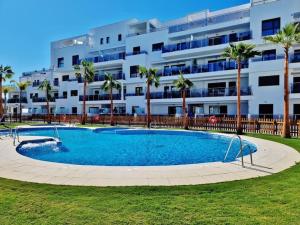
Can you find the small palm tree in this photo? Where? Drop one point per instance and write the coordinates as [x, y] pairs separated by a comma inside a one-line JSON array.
[[183, 85], [109, 85], [5, 74], [6, 90], [46, 86], [86, 72], [151, 78], [287, 37], [21, 86], [240, 52]]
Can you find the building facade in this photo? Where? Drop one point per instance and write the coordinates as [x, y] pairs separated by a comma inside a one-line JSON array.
[[192, 45]]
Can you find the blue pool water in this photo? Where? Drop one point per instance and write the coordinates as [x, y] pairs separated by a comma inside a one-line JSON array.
[[121, 147]]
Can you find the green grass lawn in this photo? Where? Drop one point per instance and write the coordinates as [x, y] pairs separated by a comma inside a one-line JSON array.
[[269, 200], [15, 124]]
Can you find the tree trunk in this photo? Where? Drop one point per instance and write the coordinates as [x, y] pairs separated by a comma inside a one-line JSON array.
[[1, 100], [239, 129], [83, 105], [48, 108], [20, 103], [286, 120], [185, 119], [148, 106], [5, 99], [111, 108]]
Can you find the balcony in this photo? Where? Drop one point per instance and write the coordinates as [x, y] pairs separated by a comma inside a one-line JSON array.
[[202, 93], [39, 99], [210, 21], [102, 97], [106, 58], [206, 68], [295, 88], [224, 39], [17, 100], [267, 58], [134, 94], [137, 53], [117, 76]]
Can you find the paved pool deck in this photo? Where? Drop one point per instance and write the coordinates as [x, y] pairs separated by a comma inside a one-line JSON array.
[[270, 158]]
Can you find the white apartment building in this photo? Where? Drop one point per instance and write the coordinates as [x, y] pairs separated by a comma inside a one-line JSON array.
[[192, 44]]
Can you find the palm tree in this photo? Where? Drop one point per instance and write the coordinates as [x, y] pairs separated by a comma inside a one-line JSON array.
[[109, 84], [151, 78], [6, 90], [5, 73], [240, 52], [46, 86], [183, 85], [287, 37], [22, 86], [86, 72]]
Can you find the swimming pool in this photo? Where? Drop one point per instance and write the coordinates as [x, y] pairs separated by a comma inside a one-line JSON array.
[[126, 147]]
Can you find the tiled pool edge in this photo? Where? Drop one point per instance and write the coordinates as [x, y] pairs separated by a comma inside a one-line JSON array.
[[270, 158]]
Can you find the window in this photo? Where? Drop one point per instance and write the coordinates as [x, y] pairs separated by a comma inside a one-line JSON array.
[[297, 111], [55, 95], [31, 95], [107, 40], [136, 50], [101, 41], [296, 55], [65, 94], [270, 27], [266, 110], [138, 91], [74, 110], [74, 93], [134, 71], [268, 80], [157, 46], [60, 62], [75, 60], [120, 37], [269, 55], [218, 109], [96, 92], [65, 78]]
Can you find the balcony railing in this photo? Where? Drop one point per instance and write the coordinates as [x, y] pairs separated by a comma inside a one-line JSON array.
[[210, 67], [224, 39], [42, 99], [116, 76], [17, 100], [210, 21], [134, 94], [102, 97], [105, 58], [201, 93], [137, 53], [295, 88], [267, 58]]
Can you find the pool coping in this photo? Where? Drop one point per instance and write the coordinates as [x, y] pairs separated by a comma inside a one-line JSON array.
[[270, 158]]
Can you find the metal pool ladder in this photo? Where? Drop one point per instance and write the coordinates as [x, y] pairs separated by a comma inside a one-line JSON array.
[[16, 136], [241, 151], [56, 133]]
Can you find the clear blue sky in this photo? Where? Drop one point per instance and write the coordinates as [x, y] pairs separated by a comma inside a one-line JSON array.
[[28, 26]]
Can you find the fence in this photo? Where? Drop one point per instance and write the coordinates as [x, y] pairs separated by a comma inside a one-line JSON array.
[[224, 124]]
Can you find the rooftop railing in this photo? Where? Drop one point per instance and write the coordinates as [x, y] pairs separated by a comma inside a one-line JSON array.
[[201, 93], [205, 68], [210, 21], [224, 39], [101, 97]]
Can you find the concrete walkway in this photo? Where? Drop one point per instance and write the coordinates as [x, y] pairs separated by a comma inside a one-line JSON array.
[[270, 158]]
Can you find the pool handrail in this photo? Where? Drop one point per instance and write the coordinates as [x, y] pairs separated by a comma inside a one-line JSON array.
[[241, 148]]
